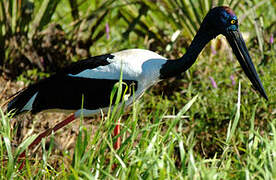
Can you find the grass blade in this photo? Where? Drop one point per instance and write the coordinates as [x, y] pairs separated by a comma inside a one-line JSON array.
[[180, 113], [230, 133]]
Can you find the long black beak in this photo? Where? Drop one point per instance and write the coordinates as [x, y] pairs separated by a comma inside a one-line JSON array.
[[240, 50]]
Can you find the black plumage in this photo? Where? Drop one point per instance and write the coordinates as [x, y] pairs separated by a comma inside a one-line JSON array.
[[62, 91]]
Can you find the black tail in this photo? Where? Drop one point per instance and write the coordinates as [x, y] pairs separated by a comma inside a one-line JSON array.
[[20, 99]]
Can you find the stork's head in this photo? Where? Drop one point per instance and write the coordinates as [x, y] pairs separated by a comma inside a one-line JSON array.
[[222, 20], [219, 20]]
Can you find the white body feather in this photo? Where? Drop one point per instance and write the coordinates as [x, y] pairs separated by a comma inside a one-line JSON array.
[[137, 64], [140, 65]]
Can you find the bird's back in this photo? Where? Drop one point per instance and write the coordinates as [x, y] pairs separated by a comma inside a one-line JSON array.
[[92, 80]]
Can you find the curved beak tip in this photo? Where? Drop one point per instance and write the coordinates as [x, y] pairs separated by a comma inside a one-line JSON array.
[[265, 96], [262, 92]]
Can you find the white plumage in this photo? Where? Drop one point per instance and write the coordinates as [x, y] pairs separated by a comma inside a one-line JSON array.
[[136, 64]]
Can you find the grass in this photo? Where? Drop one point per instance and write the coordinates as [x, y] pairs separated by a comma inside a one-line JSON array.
[[158, 147], [229, 132]]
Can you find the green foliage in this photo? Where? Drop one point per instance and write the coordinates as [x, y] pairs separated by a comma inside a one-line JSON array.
[[47, 35], [150, 150], [32, 38], [6, 136], [226, 133]]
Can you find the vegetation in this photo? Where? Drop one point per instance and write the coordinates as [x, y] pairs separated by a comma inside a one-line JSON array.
[[206, 124]]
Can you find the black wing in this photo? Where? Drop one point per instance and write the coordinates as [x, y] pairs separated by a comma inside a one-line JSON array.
[[61, 91], [90, 63]]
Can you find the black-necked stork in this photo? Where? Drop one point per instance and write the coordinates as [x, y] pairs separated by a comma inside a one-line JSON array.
[[95, 77]]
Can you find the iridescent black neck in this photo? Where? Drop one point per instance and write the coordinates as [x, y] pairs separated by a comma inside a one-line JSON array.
[[175, 67]]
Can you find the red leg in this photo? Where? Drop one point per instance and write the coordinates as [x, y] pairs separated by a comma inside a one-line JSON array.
[[116, 132], [118, 141], [45, 134]]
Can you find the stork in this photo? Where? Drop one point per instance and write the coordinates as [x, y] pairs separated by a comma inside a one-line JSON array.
[[94, 78]]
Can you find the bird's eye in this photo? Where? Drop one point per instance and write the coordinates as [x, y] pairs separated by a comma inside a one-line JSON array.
[[233, 21]]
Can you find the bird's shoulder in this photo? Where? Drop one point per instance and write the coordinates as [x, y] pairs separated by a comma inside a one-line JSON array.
[[129, 57], [132, 55], [89, 63], [108, 66]]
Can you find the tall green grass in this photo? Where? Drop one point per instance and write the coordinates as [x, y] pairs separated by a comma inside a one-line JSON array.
[[156, 147], [229, 132]]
